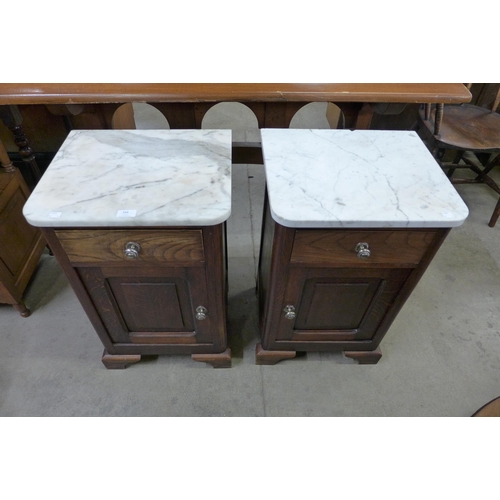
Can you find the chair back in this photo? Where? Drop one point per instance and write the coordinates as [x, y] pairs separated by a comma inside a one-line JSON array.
[[440, 110]]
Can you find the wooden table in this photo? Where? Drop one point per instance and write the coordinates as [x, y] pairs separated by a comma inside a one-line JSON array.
[[185, 105], [75, 93]]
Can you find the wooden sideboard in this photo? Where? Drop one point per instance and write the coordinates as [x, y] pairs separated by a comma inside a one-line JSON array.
[[83, 93]]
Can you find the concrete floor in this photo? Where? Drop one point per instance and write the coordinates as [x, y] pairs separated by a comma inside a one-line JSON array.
[[441, 356]]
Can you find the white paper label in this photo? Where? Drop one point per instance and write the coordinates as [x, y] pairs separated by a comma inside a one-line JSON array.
[[55, 215], [447, 214], [126, 213]]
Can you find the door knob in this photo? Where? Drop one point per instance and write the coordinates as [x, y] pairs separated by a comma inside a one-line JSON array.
[[289, 312], [363, 250], [201, 313], [132, 250]]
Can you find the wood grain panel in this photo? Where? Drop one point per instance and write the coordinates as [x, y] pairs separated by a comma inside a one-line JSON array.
[[16, 235], [336, 248], [335, 305], [326, 302], [157, 246], [149, 306]]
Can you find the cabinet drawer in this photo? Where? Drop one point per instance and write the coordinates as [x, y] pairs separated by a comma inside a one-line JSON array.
[[338, 247], [156, 246]]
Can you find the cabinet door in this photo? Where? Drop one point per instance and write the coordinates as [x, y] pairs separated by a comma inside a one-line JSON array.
[[337, 304], [150, 305]]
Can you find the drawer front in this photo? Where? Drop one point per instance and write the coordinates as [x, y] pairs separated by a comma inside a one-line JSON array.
[[108, 246], [337, 248]]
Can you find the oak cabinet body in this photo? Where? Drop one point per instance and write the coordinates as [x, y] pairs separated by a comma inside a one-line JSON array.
[[352, 219], [316, 294], [137, 220], [170, 299]]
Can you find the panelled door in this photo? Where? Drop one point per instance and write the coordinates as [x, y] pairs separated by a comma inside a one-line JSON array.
[[158, 305], [328, 305]]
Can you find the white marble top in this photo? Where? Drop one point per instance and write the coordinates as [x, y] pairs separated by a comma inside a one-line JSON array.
[[356, 179], [135, 178]]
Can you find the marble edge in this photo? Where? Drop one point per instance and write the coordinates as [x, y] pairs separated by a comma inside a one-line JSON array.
[[335, 224], [124, 222]]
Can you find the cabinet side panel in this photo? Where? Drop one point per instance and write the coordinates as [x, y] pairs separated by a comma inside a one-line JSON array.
[[410, 284], [79, 289], [215, 289], [277, 242], [266, 248]]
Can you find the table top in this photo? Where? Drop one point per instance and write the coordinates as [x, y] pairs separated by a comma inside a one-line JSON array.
[[102, 178], [78, 93], [356, 179]]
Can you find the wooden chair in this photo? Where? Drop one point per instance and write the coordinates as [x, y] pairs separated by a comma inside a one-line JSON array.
[[473, 133], [491, 409]]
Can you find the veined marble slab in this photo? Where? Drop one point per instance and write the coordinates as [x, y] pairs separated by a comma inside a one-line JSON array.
[[135, 178], [356, 179]]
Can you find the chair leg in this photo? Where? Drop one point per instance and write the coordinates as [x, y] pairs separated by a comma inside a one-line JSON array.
[[492, 164], [456, 160], [495, 215], [438, 153]]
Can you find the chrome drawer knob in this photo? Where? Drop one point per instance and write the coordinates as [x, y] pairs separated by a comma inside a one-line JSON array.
[[201, 313], [132, 250], [363, 250], [289, 312]]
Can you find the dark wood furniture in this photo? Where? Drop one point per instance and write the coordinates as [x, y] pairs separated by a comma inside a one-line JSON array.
[[83, 93], [59, 108], [169, 299], [352, 219], [11, 118], [465, 129], [136, 220], [302, 272], [21, 245]]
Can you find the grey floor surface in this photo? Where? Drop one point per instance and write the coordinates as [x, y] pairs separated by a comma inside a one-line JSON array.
[[441, 357]]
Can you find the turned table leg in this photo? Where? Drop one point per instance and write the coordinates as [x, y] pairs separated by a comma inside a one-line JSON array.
[[217, 360], [12, 119]]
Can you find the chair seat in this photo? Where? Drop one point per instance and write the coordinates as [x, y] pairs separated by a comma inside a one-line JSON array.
[[491, 409], [467, 127]]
